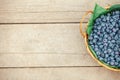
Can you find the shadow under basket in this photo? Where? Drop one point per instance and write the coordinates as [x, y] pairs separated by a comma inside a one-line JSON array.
[[85, 36]]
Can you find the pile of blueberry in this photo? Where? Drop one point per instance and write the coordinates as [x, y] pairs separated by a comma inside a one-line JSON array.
[[105, 38]]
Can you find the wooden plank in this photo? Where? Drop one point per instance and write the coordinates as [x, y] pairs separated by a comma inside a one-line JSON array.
[[82, 73], [30, 11], [46, 60], [51, 5], [41, 17], [53, 38]]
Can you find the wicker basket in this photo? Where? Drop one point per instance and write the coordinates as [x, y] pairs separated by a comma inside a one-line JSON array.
[[85, 36]]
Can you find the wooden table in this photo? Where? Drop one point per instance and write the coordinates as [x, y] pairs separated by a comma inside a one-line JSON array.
[[40, 40]]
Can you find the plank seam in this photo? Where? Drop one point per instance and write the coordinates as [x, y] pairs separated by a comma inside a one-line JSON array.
[[49, 67], [41, 23]]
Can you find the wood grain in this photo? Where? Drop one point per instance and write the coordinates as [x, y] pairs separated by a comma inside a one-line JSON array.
[[41, 17], [46, 60], [81, 73], [51, 5], [30, 11], [42, 45], [51, 38]]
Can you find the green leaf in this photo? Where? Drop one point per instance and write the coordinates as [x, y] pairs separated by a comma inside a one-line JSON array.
[[98, 10], [115, 7]]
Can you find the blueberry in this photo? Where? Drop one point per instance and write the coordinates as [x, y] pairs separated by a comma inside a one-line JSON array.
[[113, 23], [106, 55], [112, 63], [117, 25], [96, 36], [102, 55], [98, 53], [105, 59], [105, 40], [108, 59], [94, 40], [112, 53], [116, 63], [102, 16], [101, 46], [104, 19], [101, 59], [90, 42], [114, 30], [109, 38], [105, 44], [98, 43], [108, 18], [103, 24], [116, 37], [111, 20], [111, 45], [118, 59], [117, 12], [105, 52], [113, 41], [108, 14], [93, 46], [96, 49], [117, 56], [116, 53]]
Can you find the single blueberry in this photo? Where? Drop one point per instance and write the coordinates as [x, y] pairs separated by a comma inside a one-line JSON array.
[[112, 63]]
